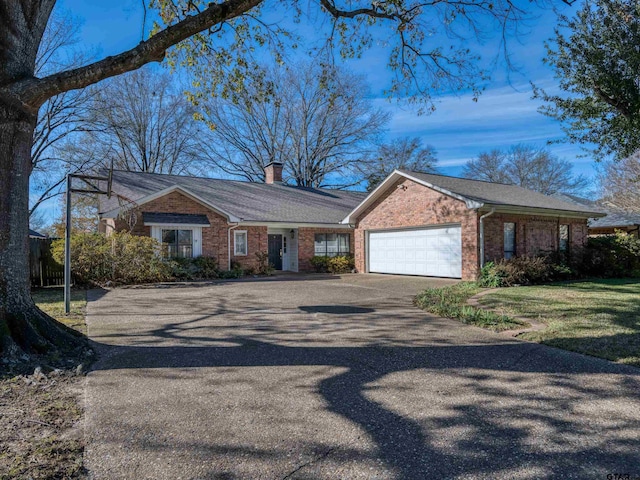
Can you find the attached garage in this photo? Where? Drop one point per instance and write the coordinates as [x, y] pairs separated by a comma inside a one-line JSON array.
[[431, 251], [437, 226]]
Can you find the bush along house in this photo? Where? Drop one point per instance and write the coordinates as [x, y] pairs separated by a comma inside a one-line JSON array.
[[411, 224]]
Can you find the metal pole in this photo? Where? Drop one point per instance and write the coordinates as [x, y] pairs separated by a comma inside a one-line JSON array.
[[67, 251]]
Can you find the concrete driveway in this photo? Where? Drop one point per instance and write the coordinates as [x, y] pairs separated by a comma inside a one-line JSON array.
[[340, 378]]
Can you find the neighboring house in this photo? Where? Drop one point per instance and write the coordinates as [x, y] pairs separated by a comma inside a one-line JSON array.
[[412, 223], [616, 219], [34, 234]]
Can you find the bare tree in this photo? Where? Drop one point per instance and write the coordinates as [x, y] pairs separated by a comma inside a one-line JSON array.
[[60, 116], [227, 31], [314, 119], [404, 153], [620, 183], [139, 122], [529, 167]]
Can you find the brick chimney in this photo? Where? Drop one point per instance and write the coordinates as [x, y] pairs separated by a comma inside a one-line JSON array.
[[273, 173]]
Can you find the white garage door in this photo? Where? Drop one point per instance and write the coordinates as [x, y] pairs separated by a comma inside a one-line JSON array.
[[432, 252]]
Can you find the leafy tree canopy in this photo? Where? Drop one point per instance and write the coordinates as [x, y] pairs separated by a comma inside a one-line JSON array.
[[596, 58]]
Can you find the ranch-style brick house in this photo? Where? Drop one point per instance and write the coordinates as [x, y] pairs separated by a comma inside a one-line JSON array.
[[411, 224]]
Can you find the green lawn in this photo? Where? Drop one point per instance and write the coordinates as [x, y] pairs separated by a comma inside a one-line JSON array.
[[51, 300], [451, 302], [599, 318]]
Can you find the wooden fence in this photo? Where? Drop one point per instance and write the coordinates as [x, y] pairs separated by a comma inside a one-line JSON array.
[[45, 271]]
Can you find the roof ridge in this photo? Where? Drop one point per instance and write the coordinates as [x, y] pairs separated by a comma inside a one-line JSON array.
[[246, 182], [469, 179]]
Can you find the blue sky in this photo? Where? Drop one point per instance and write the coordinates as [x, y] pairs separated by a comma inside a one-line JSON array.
[[459, 129]]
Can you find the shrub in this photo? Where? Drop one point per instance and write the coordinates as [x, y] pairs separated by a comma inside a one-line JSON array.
[[518, 271], [263, 267], [207, 267], [612, 256], [320, 264], [340, 264], [198, 268], [121, 258]]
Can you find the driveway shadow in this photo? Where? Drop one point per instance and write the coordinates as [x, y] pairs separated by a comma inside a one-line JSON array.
[[501, 393]]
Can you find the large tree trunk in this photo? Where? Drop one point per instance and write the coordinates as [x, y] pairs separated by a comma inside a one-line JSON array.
[[24, 329]]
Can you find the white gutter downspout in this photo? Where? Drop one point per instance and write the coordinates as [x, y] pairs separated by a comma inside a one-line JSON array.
[[229, 244], [493, 210]]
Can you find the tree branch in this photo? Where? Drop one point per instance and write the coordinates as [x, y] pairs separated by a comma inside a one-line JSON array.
[[34, 92]]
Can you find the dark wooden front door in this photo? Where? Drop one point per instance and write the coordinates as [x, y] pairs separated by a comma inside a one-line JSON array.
[[275, 251]]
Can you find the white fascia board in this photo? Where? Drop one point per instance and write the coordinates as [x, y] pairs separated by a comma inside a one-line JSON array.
[[174, 188], [543, 212], [393, 176], [289, 225]]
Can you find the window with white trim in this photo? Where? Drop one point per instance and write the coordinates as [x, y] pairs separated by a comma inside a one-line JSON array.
[[240, 242], [331, 244], [177, 243]]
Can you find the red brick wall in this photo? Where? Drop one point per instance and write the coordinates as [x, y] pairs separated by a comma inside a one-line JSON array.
[[214, 238], [534, 234], [273, 173], [415, 206], [257, 241], [306, 245]]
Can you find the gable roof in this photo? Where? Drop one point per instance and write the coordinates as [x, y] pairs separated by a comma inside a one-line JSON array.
[[616, 217], [237, 200], [480, 194]]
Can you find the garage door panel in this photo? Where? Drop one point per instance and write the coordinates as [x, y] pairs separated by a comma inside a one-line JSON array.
[[435, 251]]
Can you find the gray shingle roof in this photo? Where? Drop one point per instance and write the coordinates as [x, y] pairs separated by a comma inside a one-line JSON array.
[[251, 202], [615, 217], [34, 234], [499, 194], [175, 218]]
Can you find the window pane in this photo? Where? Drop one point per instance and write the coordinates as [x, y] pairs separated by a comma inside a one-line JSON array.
[[564, 238], [320, 245], [509, 240], [168, 236], [185, 237], [343, 243], [332, 244], [240, 240]]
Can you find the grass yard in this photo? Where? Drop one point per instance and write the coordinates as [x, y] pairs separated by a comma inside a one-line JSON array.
[[51, 301], [41, 435], [599, 318], [451, 302]]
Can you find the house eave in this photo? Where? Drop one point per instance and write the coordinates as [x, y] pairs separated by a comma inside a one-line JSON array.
[[545, 212], [250, 223]]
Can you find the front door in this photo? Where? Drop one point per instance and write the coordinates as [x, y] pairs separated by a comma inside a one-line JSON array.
[[275, 251]]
